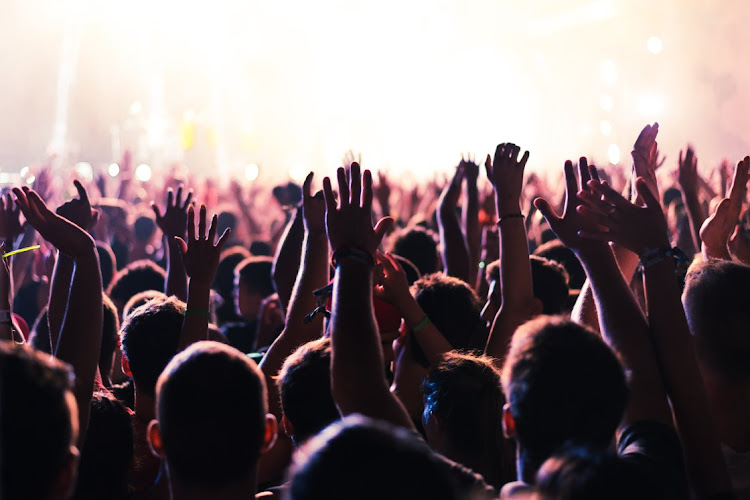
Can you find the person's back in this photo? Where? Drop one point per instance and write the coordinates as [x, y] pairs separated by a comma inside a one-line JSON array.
[[212, 423], [38, 425], [715, 300]]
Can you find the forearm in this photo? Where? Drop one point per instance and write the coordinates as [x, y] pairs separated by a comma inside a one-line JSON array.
[[472, 227], [429, 338], [22, 262], [358, 381], [313, 274], [195, 324], [452, 244], [58, 297], [584, 311], [287, 259], [176, 283], [695, 215], [683, 381], [81, 332]]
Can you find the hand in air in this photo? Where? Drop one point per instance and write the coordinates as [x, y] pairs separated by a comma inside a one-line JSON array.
[[78, 210], [200, 253], [174, 220]]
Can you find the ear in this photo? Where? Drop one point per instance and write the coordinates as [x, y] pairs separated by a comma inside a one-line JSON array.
[[269, 437], [125, 364], [287, 425], [509, 424], [155, 441], [66, 478]]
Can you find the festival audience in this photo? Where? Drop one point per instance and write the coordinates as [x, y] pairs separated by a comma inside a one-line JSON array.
[[606, 364]]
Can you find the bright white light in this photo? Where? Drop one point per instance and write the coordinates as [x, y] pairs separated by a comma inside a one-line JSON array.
[[606, 102], [84, 171], [605, 127], [24, 171], [30, 180], [298, 173], [651, 106], [654, 45], [136, 108], [251, 172], [609, 72], [113, 170], [143, 172], [613, 153]]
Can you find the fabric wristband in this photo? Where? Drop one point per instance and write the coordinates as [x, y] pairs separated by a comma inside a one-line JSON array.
[[357, 254], [421, 325], [519, 215]]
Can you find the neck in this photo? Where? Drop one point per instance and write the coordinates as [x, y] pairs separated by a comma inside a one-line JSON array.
[[407, 382], [730, 408], [241, 490], [145, 405]]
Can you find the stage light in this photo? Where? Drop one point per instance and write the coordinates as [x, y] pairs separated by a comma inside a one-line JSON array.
[[655, 45], [84, 171], [605, 127], [606, 102], [298, 173], [143, 172], [251, 172], [651, 106], [24, 172], [113, 170], [613, 153], [609, 72], [30, 180]]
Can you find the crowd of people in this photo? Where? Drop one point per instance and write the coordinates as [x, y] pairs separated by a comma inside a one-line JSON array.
[[483, 336]]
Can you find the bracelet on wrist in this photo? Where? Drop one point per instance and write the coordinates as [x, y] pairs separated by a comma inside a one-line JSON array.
[[503, 217], [652, 257], [357, 254], [421, 325]]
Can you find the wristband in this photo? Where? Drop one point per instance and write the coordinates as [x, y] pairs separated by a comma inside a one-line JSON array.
[[6, 318], [519, 215], [421, 325], [652, 257], [357, 254], [195, 311]]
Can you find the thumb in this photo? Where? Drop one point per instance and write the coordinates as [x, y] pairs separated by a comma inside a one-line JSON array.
[[182, 245], [547, 211], [382, 228]]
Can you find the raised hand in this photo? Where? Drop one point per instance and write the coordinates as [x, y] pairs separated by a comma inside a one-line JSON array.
[[452, 191], [568, 226], [613, 218], [42, 182], [645, 159], [200, 255], [717, 229], [392, 285], [348, 224], [66, 236], [174, 220], [78, 210], [687, 173], [505, 172], [313, 208], [383, 192], [470, 167], [10, 224]]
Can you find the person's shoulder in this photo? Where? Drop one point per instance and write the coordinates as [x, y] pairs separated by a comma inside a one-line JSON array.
[[517, 490]]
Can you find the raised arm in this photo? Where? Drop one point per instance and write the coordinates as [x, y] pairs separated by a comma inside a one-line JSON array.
[[81, 331], [687, 177], [718, 228], [518, 301], [312, 275], [173, 224], [644, 231], [622, 323], [358, 382], [200, 256], [472, 229], [452, 244], [287, 259]]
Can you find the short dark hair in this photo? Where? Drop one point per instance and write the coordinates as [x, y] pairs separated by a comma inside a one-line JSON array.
[[139, 299], [562, 383], [107, 263], [149, 337], [211, 407], [37, 430], [144, 227], [304, 384], [715, 299], [367, 459], [453, 307], [465, 394], [550, 282], [555, 250], [136, 277], [419, 246], [107, 451], [224, 280], [255, 274]]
